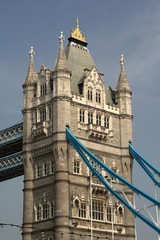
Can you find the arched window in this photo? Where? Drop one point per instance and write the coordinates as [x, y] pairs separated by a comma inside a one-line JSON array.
[[120, 213]]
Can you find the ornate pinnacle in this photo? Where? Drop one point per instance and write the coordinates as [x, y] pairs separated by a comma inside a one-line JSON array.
[[77, 23], [61, 39], [122, 61], [32, 73], [31, 53]]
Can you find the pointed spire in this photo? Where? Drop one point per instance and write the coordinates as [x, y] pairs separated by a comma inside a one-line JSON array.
[[61, 62], [122, 80], [32, 73]]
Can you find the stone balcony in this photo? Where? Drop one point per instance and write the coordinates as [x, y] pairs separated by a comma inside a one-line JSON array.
[[99, 132], [40, 129]]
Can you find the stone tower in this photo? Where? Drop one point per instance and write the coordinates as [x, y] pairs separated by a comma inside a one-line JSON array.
[[62, 199]]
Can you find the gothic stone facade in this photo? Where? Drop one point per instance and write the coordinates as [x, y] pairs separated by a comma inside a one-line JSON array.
[[62, 200]]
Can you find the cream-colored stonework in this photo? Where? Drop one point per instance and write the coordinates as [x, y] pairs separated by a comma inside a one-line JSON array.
[[62, 200]]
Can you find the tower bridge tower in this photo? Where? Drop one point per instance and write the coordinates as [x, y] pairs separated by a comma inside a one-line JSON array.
[[62, 200]]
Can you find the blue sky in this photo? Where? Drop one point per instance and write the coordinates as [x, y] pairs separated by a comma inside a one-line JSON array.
[[112, 28]]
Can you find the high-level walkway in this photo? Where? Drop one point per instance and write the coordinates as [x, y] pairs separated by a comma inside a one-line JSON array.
[[11, 162]]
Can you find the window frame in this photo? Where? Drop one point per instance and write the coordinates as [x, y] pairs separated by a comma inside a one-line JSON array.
[[90, 118], [97, 210], [110, 214], [77, 166], [42, 114], [82, 115], [43, 89], [106, 122], [83, 210], [90, 94], [98, 96], [98, 119]]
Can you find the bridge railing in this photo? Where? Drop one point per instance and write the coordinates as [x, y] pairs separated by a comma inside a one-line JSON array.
[[11, 161], [12, 133]]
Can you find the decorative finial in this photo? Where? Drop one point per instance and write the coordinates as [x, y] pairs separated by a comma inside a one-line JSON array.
[[32, 53], [61, 39], [122, 61], [77, 23]]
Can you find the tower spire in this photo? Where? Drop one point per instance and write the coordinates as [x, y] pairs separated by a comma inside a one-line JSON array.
[[61, 62], [122, 80], [31, 73]]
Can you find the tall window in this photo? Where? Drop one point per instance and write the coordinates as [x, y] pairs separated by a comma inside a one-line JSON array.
[[51, 209], [82, 210], [98, 119], [45, 168], [90, 118], [98, 96], [106, 122], [110, 214], [120, 213], [45, 211], [51, 167], [81, 116], [38, 213], [50, 113], [97, 210], [76, 167], [90, 94], [37, 170], [42, 114], [43, 89]]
